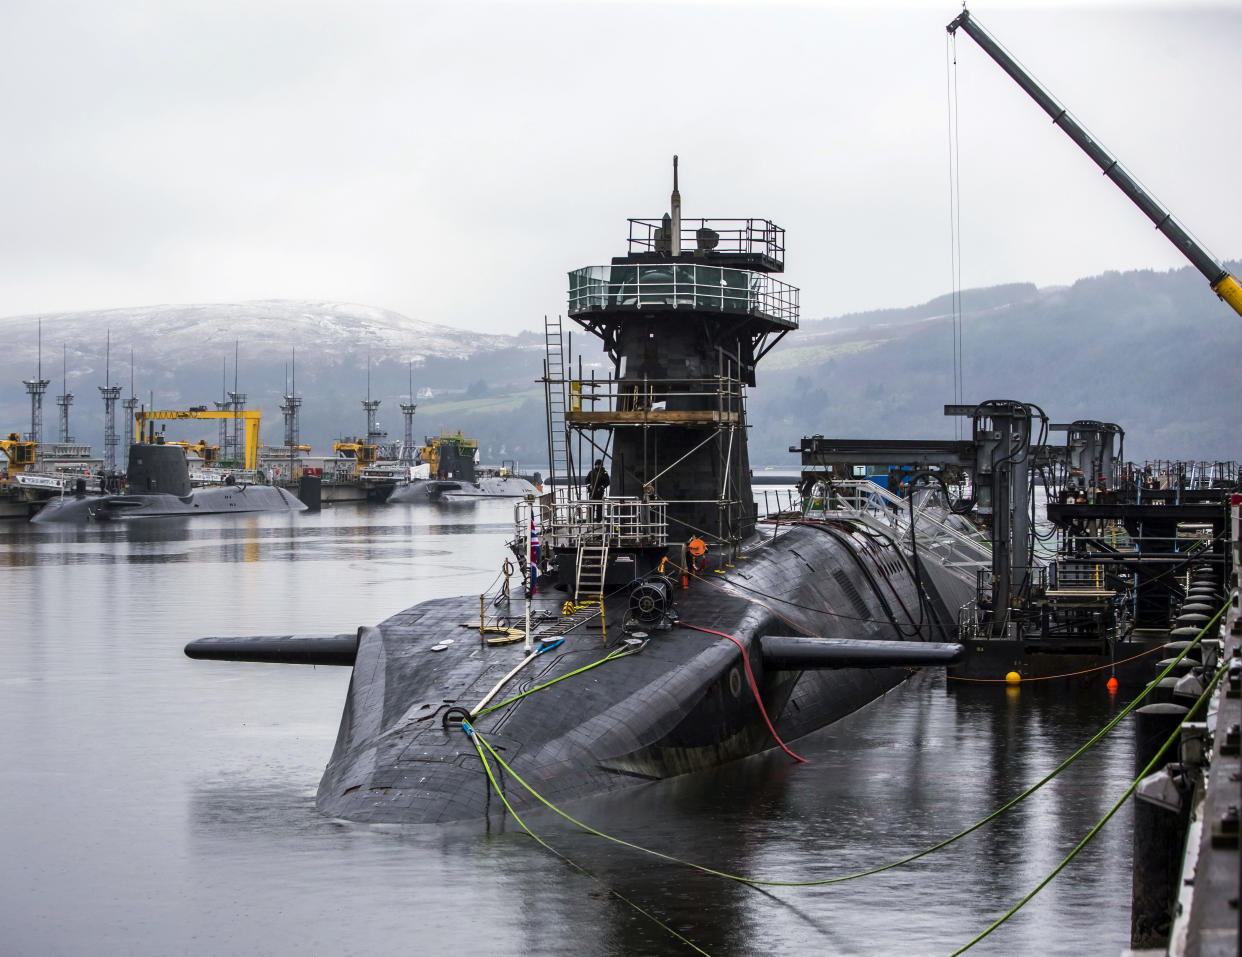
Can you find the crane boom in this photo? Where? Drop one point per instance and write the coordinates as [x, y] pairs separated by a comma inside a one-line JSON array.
[[1223, 283]]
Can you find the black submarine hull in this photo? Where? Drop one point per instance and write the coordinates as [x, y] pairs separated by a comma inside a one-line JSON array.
[[682, 703], [224, 499]]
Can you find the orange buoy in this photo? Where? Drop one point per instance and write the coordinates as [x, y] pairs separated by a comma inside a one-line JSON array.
[[1112, 685]]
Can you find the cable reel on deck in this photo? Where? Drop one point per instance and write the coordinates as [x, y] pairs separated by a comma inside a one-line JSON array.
[[650, 604]]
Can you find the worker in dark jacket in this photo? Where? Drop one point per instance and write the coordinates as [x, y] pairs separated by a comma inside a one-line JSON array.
[[597, 482]]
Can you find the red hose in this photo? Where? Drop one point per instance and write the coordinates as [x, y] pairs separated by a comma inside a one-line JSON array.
[[753, 687]]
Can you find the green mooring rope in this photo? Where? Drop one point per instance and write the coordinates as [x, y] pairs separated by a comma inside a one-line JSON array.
[[477, 738], [611, 656], [1102, 821], [473, 735], [480, 744]]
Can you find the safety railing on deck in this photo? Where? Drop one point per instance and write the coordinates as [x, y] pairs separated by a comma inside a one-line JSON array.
[[932, 519], [630, 522], [642, 397]]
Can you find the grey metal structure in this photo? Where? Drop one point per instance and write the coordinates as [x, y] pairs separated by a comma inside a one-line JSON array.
[[408, 446], [131, 407], [556, 399], [822, 453], [1002, 439], [234, 451], [290, 406], [110, 394], [223, 441], [375, 435], [35, 388], [1093, 453], [1000, 456], [64, 401]]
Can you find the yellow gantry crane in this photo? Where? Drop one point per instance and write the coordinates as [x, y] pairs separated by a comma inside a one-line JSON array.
[[1223, 283], [249, 416]]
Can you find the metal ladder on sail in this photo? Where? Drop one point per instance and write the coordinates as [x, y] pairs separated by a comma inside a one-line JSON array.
[[592, 560], [555, 386]]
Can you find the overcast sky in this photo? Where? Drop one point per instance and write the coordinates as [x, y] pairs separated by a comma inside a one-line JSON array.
[[453, 161]]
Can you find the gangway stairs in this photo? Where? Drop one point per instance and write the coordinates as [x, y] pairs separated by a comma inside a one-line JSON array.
[[555, 385]]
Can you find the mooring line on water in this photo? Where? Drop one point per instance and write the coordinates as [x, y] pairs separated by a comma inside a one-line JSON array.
[[477, 738], [1169, 742], [472, 735], [1071, 674]]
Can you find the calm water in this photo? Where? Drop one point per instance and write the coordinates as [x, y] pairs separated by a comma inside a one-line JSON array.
[[155, 805]]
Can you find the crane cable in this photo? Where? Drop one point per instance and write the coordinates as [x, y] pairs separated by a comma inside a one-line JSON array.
[[955, 227]]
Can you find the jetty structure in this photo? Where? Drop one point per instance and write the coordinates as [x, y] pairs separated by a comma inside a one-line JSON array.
[[34, 471], [663, 628], [1186, 869]]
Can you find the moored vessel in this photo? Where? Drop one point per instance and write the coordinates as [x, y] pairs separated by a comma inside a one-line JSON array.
[[159, 486], [664, 629]]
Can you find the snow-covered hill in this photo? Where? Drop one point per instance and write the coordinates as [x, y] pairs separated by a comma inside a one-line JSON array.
[[184, 355]]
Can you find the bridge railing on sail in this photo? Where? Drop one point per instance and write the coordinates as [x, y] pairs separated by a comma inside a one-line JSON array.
[[676, 286], [761, 239]]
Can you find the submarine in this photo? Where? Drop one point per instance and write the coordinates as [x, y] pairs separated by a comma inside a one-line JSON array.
[[160, 487], [455, 478], [661, 630]]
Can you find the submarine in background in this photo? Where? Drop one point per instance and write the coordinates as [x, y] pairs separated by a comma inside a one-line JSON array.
[[160, 487], [667, 628], [454, 476]]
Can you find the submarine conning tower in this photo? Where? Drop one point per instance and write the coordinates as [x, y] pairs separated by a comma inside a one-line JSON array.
[[684, 316]]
